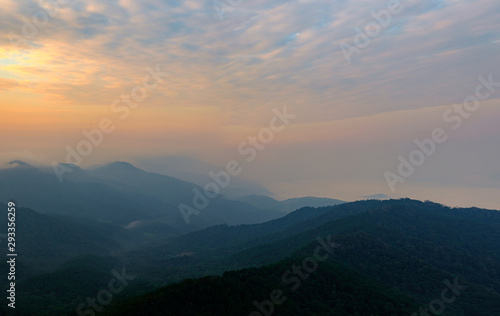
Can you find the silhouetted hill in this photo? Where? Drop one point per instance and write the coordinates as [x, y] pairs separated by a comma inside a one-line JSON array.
[[44, 241], [195, 171], [40, 189], [266, 202], [332, 289], [409, 248], [121, 193], [410, 245]]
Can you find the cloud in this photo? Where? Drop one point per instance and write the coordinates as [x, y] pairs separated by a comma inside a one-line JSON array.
[[8, 84], [278, 49], [20, 158], [226, 76], [261, 55]]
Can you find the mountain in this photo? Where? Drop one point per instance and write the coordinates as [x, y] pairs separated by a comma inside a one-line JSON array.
[[40, 189], [268, 203], [296, 203], [47, 240], [332, 289], [412, 246], [404, 252], [121, 193], [68, 286], [238, 236], [192, 170], [126, 176]]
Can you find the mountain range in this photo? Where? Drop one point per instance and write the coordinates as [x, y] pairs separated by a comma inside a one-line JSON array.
[[123, 194], [390, 257]]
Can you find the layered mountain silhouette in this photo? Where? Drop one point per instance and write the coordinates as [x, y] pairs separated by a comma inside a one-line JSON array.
[[193, 170], [390, 257], [266, 202], [120, 193]]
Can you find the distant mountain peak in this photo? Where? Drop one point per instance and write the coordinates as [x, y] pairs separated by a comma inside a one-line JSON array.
[[121, 163], [19, 164], [120, 166]]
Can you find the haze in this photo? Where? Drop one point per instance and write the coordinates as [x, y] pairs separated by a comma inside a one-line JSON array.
[[224, 76]]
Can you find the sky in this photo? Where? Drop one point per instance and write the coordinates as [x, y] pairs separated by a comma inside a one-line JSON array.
[[360, 81]]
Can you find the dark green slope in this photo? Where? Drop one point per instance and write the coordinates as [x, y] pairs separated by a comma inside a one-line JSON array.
[[222, 236], [331, 289], [205, 252], [244, 236], [472, 230], [62, 291], [408, 245], [413, 246], [44, 241]]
